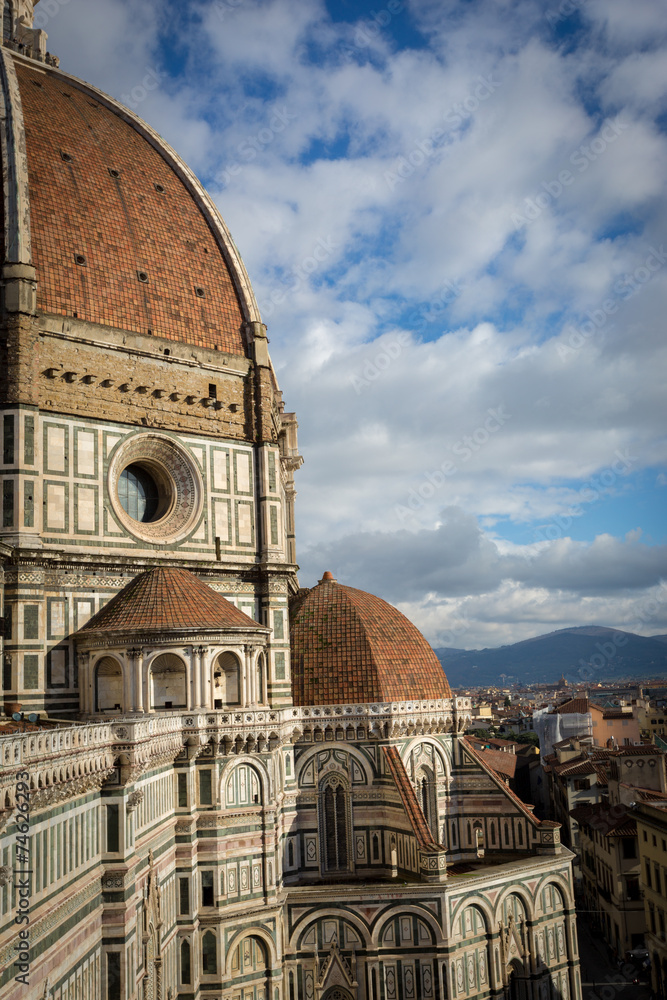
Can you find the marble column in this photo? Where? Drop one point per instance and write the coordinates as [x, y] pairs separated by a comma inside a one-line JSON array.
[[195, 667]]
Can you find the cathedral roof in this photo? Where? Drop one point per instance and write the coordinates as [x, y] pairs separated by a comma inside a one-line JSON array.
[[349, 647], [168, 599], [122, 233]]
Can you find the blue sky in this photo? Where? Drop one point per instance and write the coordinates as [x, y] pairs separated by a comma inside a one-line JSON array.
[[453, 215]]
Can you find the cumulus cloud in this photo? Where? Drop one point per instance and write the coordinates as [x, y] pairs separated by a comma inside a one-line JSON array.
[[457, 242]]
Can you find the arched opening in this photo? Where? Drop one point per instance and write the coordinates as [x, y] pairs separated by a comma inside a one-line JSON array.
[[243, 787], [427, 797], [337, 993], [478, 831], [108, 685], [186, 974], [209, 954], [334, 810], [226, 681], [261, 680], [517, 985], [250, 961], [168, 682]]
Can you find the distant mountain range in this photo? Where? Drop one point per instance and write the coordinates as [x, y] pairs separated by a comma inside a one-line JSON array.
[[587, 653]]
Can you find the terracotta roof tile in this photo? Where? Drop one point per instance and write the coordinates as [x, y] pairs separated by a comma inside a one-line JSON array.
[[164, 599], [580, 706], [120, 223], [351, 647], [417, 819], [477, 756], [501, 762], [609, 820]]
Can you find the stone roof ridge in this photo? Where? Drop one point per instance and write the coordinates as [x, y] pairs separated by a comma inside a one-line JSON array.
[[168, 599], [525, 809], [421, 829]]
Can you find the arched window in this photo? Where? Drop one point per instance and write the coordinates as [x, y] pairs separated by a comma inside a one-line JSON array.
[[507, 833], [334, 818], [290, 854], [226, 681], [519, 831], [209, 960], [108, 685], [426, 793], [250, 960], [168, 680], [376, 847], [261, 675], [186, 976], [453, 835]]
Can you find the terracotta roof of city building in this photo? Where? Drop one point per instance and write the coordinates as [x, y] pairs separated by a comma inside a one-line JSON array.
[[349, 647], [168, 599], [579, 706], [122, 233], [501, 762], [608, 820]]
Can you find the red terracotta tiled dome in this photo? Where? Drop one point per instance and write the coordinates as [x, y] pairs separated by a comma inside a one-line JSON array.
[[165, 599], [351, 647], [110, 202]]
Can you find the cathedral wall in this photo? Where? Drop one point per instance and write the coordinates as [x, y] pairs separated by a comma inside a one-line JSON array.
[[59, 487], [467, 940], [129, 378]]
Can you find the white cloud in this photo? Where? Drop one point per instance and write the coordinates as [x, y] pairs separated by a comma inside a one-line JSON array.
[[431, 303]]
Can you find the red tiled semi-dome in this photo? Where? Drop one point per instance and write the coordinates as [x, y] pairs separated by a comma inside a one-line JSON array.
[[349, 647], [165, 599], [104, 187]]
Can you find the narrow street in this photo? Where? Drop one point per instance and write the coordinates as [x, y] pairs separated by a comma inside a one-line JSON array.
[[601, 976]]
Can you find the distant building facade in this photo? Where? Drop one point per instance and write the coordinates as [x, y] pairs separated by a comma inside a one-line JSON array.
[[651, 819]]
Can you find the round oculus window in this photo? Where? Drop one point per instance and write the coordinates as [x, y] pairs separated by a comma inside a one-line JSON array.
[[138, 493], [155, 488]]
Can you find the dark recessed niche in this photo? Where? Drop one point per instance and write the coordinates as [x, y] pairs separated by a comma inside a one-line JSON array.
[[142, 276], [199, 292], [80, 259], [167, 352], [159, 188], [114, 172], [67, 157]]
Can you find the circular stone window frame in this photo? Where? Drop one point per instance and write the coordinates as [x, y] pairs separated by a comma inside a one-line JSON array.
[[179, 482]]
